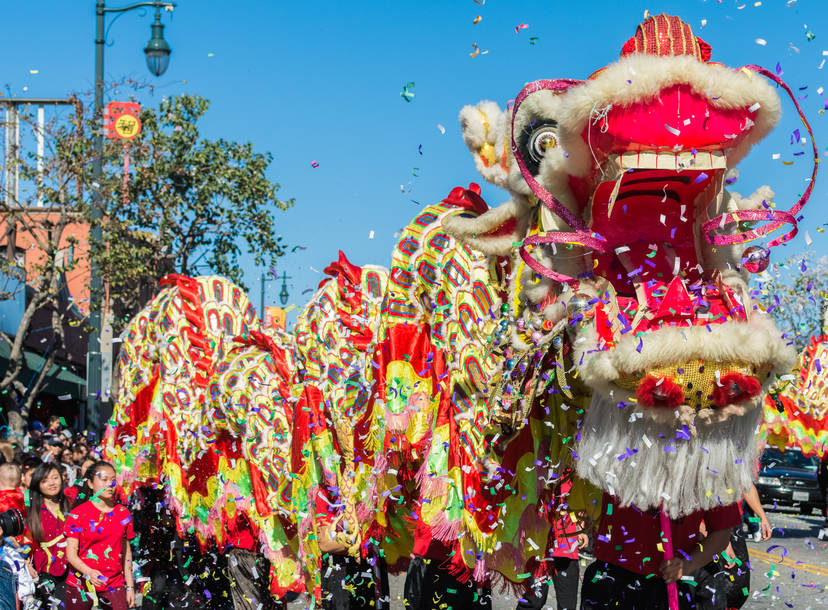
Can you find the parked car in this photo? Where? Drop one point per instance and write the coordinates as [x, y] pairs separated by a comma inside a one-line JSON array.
[[789, 479]]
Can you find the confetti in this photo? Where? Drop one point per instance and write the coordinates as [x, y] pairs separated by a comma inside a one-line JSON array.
[[314, 164], [761, 41], [520, 27], [477, 51], [477, 20], [407, 94]]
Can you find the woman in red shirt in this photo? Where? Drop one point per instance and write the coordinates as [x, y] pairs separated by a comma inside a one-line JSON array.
[[97, 533], [47, 509]]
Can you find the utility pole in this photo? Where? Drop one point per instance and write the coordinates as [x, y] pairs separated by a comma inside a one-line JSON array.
[[157, 54], [91, 421]]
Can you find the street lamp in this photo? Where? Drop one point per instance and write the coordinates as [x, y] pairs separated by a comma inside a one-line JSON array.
[[158, 57], [284, 295], [157, 49]]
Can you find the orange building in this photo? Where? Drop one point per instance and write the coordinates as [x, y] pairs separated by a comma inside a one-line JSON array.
[[25, 237]]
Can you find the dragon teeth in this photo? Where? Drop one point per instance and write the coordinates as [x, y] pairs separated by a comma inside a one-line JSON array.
[[674, 161]]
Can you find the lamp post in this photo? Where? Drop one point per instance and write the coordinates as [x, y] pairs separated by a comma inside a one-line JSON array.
[[157, 53]]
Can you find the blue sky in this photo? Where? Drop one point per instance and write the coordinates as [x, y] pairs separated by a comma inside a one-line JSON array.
[[322, 81]]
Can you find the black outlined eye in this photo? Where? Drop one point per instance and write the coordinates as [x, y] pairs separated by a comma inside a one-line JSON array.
[[541, 140], [536, 138]]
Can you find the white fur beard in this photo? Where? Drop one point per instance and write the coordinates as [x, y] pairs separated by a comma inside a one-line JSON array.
[[699, 473]]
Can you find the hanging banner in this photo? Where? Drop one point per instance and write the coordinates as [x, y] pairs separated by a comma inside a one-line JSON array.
[[122, 120], [123, 123]]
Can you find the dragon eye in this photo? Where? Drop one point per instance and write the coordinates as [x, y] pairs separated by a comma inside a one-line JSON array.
[[541, 140]]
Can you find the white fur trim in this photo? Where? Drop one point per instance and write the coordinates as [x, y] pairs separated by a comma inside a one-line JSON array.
[[473, 231], [757, 342], [485, 123], [640, 77]]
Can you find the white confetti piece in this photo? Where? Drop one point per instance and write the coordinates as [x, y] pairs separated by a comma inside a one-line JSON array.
[[441, 128], [808, 239], [672, 130], [755, 107], [761, 41], [371, 235], [775, 156]]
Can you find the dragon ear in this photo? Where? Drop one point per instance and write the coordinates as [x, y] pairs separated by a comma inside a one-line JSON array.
[[485, 133]]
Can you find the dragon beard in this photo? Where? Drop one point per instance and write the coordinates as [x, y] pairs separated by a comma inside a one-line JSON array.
[[647, 462]]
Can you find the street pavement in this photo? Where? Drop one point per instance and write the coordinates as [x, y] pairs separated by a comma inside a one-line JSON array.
[[791, 569]]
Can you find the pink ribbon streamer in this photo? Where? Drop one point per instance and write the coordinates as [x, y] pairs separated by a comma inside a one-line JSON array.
[[777, 218], [581, 234], [667, 543]]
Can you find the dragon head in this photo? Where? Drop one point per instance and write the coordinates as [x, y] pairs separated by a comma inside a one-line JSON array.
[[628, 255]]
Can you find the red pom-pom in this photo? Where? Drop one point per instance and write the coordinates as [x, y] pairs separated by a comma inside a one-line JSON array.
[[735, 388], [659, 392]]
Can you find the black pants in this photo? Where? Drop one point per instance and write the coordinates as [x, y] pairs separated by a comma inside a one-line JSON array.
[[351, 584], [167, 589], [720, 587], [609, 586], [51, 590], [430, 586], [750, 519], [822, 480], [249, 582], [565, 582]]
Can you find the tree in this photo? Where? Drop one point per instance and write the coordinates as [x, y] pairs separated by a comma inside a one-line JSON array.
[[191, 207], [795, 293], [41, 247]]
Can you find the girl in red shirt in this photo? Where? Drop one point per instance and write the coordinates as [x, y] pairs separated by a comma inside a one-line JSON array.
[[46, 518], [97, 533]]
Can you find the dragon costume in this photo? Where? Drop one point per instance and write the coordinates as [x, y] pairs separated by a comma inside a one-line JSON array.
[[595, 329]]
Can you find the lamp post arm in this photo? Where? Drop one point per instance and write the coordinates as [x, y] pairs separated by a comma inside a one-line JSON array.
[[153, 4]]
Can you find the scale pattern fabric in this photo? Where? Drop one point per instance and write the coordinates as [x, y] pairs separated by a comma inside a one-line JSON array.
[[367, 423], [797, 414]]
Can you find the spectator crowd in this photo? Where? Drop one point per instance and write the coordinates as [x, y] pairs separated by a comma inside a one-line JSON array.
[[80, 530]]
